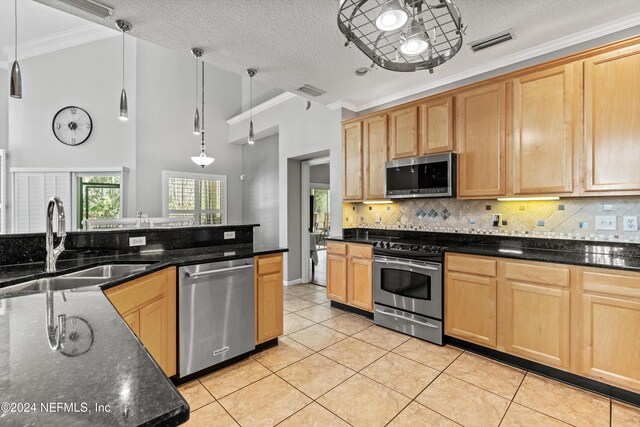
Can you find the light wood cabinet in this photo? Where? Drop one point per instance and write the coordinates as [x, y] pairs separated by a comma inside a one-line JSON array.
[[352, 161], [480, 138], [610, 325], [350, 274], [611, 125], [403, 132], [436, 130], [544, 104], [535, 299], [148, 306], [269, 313], [375, 153]]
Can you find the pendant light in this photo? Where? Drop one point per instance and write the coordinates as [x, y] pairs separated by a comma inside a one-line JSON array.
[[16, 76], [123, 26], [197, 52], [414, 42], [251, 72], [392, 16], [202, 160]]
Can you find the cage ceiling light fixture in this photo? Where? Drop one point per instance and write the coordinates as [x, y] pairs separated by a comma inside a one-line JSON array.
[[403, 35]]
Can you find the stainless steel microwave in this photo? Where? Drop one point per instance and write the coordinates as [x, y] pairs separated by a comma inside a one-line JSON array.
[[426, 176]]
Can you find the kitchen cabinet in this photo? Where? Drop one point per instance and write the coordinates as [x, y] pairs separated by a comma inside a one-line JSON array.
[[611, 127], [436, 131], [403, 132], [480, 139], [375, 154], [535, 298], [148, 306], [471, 299], [352, 160], [544, 104], [269, 313], [350, 274], [610, 324]]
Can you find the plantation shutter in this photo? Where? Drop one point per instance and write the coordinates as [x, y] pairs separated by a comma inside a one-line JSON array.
[[31, 192], [201, 197]]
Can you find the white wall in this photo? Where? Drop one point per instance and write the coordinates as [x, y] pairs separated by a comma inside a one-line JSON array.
[[302, 134], [165, 139], [4, 106]]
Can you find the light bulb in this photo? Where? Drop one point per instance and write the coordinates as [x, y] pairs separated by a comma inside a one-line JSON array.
[[392, 16], [415, 42]]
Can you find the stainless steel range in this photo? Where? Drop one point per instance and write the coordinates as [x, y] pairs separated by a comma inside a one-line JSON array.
[[408, 287]]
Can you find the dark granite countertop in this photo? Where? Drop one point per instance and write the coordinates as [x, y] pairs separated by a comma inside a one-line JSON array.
[[115, 370], [613, 255]]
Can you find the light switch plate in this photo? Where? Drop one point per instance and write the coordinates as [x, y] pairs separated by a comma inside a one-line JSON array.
[[607, 207], [606, 222], [378, 218], [229, 235], [630, 223], [137, 241]]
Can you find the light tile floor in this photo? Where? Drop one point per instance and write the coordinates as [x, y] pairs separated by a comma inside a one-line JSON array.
[[337, 369]]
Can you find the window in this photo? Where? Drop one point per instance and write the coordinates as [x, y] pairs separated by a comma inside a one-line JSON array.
[[199, 196], [98, 198]]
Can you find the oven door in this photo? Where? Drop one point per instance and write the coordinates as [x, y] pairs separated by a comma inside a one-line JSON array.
[[413, 286]]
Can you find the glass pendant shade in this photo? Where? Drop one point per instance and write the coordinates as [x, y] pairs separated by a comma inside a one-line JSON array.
[[392, 16], [415, 42], [16, 81], [124, 106], [202, 160], [251, 139], [196, 122]]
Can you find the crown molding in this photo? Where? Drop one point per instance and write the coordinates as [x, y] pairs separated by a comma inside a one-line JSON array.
[[262, 107], [61, 40], [533, 52], [342, 104]]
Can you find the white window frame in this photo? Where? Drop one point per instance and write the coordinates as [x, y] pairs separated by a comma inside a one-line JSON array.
[[197, 211]]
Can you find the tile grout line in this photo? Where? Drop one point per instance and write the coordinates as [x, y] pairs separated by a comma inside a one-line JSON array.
[[512, 399]]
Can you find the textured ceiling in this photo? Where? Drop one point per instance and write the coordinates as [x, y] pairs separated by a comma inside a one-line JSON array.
[[293, 42]]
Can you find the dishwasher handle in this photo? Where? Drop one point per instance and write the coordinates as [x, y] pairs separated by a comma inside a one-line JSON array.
[[214, 272]]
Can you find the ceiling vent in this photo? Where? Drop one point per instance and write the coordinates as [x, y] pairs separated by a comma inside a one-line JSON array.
[[91, 7], [501, 37], [311, 91]]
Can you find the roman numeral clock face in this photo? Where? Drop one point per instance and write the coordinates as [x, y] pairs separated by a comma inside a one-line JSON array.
[[72, 125]]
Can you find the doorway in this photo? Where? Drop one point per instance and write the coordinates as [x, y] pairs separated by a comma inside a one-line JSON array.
[[316, 196]]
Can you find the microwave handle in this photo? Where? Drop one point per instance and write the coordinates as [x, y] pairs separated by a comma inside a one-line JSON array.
[[409, 264]]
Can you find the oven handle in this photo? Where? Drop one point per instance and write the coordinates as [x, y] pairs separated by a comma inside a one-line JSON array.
[[430, 325], [409, 264]]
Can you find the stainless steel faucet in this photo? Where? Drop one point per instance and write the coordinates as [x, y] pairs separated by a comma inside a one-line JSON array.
[[54, 253], [55, 335]]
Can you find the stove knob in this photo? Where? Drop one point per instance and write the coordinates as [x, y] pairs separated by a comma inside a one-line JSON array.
[[388, 245], [415, 248]]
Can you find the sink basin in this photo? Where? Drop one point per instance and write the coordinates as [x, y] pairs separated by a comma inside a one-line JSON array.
[[57, 284], [108, 271]]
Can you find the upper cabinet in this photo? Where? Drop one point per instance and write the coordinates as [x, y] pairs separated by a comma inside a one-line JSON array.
[[403, 132], [352, 161], [375, 153], [611, 125], [544, 104], [480, 134], [436, 126]]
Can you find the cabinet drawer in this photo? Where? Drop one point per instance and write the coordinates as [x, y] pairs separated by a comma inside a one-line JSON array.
[[362, 251], [336, 248], [130, 295], [465, 264], [613, 284], [269, 264], [545, 275]]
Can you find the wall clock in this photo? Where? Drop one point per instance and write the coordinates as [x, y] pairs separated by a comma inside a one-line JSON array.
[[72, 125]]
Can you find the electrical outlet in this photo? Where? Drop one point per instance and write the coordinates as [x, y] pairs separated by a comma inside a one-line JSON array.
[[229, 235], [607, 207], [378, 218], [630, 223], [606, 222], [137, 241]]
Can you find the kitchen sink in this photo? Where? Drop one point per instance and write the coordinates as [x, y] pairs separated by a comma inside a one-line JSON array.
[[57, 284], [108, 271]]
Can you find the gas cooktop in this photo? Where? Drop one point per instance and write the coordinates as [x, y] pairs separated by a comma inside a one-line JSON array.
[[425, 250]]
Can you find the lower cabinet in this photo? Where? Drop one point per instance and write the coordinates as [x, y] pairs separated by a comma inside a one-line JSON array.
[[350, 274], [269, 312], [148, 306]]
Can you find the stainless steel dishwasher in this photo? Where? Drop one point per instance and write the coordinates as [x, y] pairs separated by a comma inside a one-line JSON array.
[[216, 302]]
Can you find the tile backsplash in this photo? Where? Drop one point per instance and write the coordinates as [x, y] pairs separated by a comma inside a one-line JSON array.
[[563, 219]]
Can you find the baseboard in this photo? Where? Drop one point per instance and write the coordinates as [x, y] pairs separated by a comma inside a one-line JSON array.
[[292, 282], [350, 309]]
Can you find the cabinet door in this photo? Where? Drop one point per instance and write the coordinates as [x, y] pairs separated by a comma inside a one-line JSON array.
[[470, 308], [352, 161], [403, 138], [337, 278], [154, 331], [436, 126], [611, 125], [133, 321], [360, 283], [375, 155], [269, 316], [480, 135], [543, 131]]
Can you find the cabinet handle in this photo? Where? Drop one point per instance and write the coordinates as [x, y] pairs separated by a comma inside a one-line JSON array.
[[387, 313]]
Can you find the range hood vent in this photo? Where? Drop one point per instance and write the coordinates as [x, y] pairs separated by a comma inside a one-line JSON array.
[[501, 37], [311, 91], [91, 7]]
